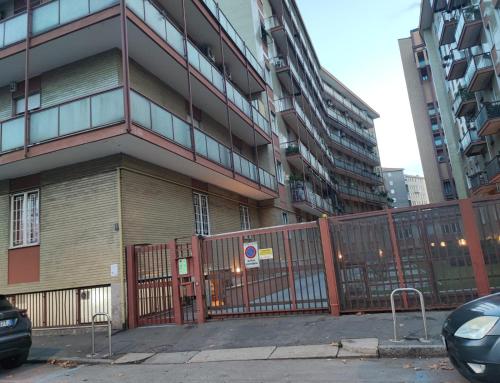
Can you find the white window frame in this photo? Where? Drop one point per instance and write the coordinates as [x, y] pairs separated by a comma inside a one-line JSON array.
[[198, 213], [245, 218], [280, 173], [26, 225]]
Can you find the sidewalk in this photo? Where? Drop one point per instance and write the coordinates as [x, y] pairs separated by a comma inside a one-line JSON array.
[[271, 332]]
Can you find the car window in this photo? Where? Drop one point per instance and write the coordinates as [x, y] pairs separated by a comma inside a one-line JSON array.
[[4, 304]]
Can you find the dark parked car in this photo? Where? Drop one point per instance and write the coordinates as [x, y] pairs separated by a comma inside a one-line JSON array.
[[472, 337], [15, 335]]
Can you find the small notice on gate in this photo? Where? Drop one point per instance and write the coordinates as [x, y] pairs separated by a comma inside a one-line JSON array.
[[251, 252], [183, 266], [266, 253]]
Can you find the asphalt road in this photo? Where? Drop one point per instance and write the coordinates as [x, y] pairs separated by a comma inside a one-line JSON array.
[[376, 370]]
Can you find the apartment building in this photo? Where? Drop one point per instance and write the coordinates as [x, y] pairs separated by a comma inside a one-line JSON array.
[[462, 39], [427, 119], [139, 121], [395, 184], [417, 190], [328, 149]]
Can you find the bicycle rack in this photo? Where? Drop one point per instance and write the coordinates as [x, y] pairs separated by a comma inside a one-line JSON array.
[[110, 353], [422, 308]]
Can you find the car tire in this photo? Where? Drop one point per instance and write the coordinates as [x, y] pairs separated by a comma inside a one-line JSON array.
[[14, 361]]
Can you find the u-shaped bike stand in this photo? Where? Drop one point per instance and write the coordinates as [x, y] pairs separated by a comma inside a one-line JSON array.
[[422, 308], [93, 333]]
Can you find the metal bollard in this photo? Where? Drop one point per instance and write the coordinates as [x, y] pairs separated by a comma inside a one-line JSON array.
[[110, 353], [422, 308]]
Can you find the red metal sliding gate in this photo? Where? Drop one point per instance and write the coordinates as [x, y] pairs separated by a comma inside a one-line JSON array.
[[343, 264]]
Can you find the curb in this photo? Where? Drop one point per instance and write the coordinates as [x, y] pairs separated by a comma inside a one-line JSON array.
[[411, 351], [70, 359]]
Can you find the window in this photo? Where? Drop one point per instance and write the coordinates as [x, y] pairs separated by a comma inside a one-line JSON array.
[[202, 221], [393, 191], [279, 173], [244, 217], [424, 74], [438, 141], [391, 183], [33, 103], [284, 216], [24, 219]]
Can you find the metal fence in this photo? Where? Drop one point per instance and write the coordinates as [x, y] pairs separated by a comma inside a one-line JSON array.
[[64, 308]]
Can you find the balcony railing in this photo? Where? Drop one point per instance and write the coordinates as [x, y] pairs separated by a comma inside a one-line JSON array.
[[156, 118], [493, 169], [479, 66], [59, 12], [334, 114], [295, 147], [357, 170], [477, 180], [445, 28], [463, 97], [363, 195], [465, 36], [75, 116], [304, 192], [354, 147], [347, 104], [13, 30], [238, 41], [456, 64], [471, 143], [488, 118]]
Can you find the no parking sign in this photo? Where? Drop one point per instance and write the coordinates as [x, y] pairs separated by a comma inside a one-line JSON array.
[[251, 252]]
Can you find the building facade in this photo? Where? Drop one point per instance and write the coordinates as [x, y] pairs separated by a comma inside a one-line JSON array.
[[395, 184], [136, 122], [462, 39], [417, 190], [427, 119]]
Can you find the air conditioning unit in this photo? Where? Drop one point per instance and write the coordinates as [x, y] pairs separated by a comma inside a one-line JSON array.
[[13, 87]]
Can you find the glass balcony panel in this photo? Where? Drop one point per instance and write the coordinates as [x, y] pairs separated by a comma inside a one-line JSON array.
[[155, 20], [107, 108], [45, 17], [182, 133], [137, 6], [44, 125], [193, 56], [161, 122], [15, 29], [73, 9], [218, 81], [206, 68], [141, 110], [213, 149], [12, 134], [175, 38], [200, 143], [225, 157], [2, 28], [98, 5], [74, 117]]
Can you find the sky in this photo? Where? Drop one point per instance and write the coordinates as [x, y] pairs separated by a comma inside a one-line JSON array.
[[357, 41]]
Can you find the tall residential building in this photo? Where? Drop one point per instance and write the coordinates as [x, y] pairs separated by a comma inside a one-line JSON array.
[[427, 119], [136, 121], [326, 133], [462, 39], [395, 184], [417, 190]]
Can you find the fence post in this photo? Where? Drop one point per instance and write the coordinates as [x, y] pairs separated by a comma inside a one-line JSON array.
[[176, 288], [474, 243], [132, 311], [246, 299], [397, 256], [291, 276], [199, 279], [331, 276]]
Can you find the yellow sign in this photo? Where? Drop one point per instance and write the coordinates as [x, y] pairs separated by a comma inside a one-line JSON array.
[[266, 253]]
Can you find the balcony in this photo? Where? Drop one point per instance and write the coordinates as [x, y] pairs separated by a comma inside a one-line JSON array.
[[347, 106], [348, 124], [357, 172], [472, 144], [478, 181], [495, 57], [465, 103], [349, 192], [455, 4], [495, 4], [488, 119], [351, 149], [468, 31], [456, 65], [438, 5], [479, 72], [305, 198], [493, 170], [298, 155], [446, 28]]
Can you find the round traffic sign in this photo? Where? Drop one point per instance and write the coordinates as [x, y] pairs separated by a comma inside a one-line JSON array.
[[250, 252]]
